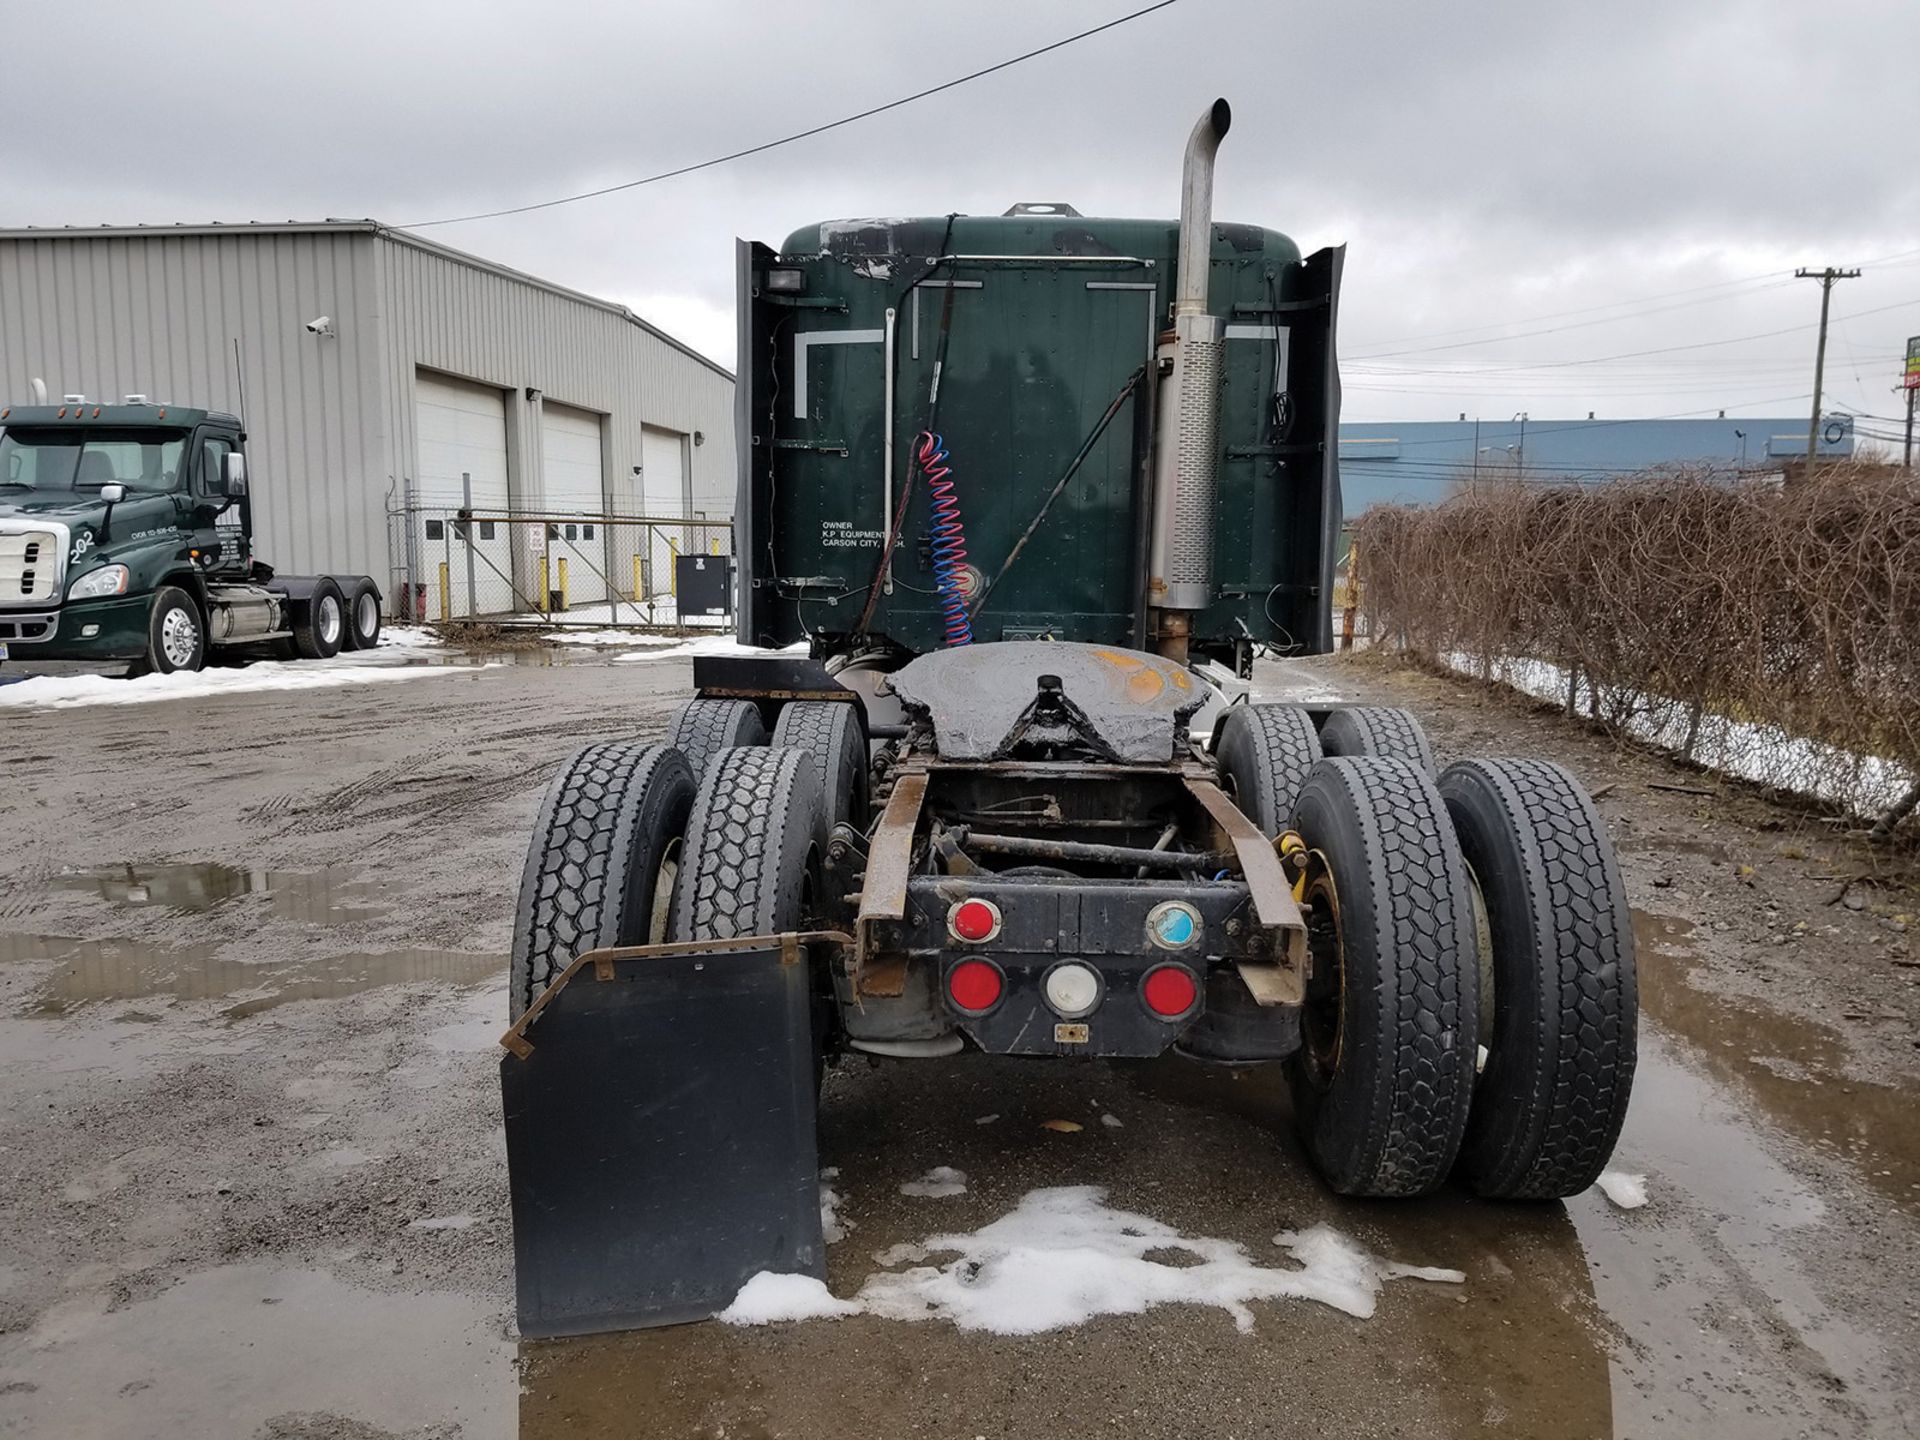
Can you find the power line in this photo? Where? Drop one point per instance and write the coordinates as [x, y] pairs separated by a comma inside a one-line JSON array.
[[798, 135], [1896, 260]]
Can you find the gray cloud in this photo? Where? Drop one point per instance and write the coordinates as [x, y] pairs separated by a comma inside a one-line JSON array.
[[1487, 163]]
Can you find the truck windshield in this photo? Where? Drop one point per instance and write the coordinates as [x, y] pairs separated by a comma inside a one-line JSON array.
[[77, 459]]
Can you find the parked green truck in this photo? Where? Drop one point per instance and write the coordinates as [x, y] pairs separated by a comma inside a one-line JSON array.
[[126, 534], [1029, 487]]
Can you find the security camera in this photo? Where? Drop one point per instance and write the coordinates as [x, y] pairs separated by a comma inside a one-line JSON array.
[[320, 325]]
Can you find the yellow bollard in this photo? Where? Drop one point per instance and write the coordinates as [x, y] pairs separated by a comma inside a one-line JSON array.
[[673, 569], [446, 594], [637, 597], [563, 582], [546, 601]]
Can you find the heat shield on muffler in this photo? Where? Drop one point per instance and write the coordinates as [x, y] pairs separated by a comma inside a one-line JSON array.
[[660, 1137]]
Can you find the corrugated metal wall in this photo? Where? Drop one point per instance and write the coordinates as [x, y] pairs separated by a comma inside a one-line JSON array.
[[502, 332], [158, 314], [331, 421]]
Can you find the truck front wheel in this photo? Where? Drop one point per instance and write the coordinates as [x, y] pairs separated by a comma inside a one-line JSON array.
[[176, 635]]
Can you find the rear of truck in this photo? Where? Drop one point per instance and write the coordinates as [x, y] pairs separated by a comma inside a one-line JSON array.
[[1020, 496]]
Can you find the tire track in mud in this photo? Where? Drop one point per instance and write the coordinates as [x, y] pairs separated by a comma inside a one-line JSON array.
[[425, 792]]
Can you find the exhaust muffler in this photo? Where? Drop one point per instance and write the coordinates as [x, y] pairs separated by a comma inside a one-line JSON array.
[[1187, 429]]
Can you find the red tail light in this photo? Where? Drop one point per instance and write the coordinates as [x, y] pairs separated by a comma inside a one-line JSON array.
[[1170, 991], [975, 986], [974, 920]]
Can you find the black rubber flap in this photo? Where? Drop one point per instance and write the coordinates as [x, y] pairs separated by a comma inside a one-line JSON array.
[[660, 1142]]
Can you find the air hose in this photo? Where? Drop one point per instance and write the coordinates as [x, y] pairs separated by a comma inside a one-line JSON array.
[[949, 539]]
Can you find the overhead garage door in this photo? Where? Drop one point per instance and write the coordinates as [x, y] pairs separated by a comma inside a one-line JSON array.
[[663, 473], [461, 430], [571, 477], [663, 496]]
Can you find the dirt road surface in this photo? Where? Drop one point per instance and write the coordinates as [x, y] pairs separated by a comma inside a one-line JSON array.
[[252, 963]]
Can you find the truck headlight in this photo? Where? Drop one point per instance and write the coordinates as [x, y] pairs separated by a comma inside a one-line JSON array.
[[107, 580]]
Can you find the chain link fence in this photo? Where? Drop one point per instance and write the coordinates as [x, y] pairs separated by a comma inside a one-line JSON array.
[[509, 567]]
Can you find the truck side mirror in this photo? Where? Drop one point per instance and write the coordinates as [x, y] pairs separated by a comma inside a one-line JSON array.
[[112, 494], [235, 474]]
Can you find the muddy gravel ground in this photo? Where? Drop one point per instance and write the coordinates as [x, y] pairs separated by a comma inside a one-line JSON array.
[[252, 956]]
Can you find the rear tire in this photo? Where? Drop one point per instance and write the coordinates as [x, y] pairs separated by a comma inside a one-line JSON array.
[[753, 847], [829, 732], [362, 631], [320, 623], [1377, 730], [176, 635], [1549, 1105], [1383, 1077], [702, 729], [598, 872], [1266, 753]]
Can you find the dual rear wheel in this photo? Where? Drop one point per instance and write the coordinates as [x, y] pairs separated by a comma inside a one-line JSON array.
[[1472, 1004], [712, 835]]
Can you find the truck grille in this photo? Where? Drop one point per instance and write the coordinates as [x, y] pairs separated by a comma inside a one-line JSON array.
[[29, 567]]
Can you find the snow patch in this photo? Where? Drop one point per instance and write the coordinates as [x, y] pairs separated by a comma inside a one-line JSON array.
[[1112, 1122], [833, 1229], [62, 692], [940, 1183], [1063, 1256], [444, 1222], [1627, 1191], [1765, 754], [769, 1297], [711, 645]]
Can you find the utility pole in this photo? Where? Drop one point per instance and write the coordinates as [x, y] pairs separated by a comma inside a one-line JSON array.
[[1906, 457], [1826, 278]]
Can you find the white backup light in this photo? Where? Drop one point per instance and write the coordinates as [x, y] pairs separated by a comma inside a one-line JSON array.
[[1072, 989]]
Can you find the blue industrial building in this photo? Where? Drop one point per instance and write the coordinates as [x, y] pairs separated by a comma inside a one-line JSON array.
[[1419, 462]]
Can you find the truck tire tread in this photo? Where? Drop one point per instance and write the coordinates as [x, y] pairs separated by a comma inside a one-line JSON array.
[[1391, 1120], [1547, 1110], [1377, 730], [756, 829], [703, 728], [598, 843], [829, 732], [1267, 751]]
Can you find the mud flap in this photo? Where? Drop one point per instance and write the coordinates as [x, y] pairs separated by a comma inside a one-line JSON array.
[[660, 1137]]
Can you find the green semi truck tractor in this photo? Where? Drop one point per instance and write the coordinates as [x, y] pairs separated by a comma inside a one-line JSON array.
[[126, 534], [1020, 497]]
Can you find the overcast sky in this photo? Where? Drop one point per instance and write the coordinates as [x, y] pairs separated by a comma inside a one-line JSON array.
[[1491, 164]]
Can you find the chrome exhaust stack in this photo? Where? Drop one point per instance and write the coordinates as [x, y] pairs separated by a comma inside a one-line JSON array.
[[1187, 420]]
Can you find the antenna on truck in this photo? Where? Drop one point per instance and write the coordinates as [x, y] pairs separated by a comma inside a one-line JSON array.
[[39, 391]]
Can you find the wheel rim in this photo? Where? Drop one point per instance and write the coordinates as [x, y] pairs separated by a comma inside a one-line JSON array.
[[329, 619], [663, 886], [179, 637], [1323, 1015], [366, 614]]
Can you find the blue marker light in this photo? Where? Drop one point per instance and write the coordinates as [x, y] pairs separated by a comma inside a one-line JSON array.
[[1173, 925]]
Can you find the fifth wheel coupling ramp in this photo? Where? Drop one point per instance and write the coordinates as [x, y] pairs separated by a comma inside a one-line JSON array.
[[659, 1105]]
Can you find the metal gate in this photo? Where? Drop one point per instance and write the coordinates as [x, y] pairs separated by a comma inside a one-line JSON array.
[[523, 568]]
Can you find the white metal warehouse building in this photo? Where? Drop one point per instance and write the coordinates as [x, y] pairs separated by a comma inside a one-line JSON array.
[[434, 363]]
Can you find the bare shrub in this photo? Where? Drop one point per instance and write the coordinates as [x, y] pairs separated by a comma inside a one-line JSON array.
[[1766, 629]]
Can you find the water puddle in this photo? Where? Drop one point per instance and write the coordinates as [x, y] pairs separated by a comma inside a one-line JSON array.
[[1787, 1068], [96, 970], [329, 896], [255, 1350]]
